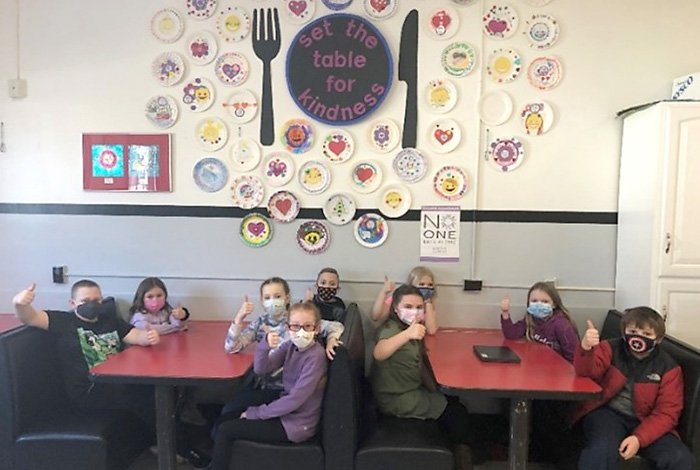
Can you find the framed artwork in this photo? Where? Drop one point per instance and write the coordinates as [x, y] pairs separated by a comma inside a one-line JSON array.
[[126, 162]]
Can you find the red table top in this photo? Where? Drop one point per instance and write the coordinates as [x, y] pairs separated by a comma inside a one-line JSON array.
[[8, 321], [541, 374], [187, 357]]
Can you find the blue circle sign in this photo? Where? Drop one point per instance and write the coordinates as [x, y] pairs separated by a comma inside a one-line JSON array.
[[339, 69]]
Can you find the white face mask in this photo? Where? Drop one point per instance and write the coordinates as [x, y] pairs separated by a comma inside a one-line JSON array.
[[275, 307], [302, 339], [411, 315]]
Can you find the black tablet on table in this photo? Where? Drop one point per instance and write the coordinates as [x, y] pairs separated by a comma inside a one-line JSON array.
[[496, 354]]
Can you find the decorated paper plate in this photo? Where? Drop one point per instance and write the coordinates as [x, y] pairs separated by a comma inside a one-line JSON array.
[[366, 177], [371, 230], [394, 201], [202, 48], [537, 3], [506, 154], [495, 108], [162, 111], [198, 94], [233, 24], [444, 135], [338, 146], [339, 209], [231, 68], [450, 183], [201, 9], [542, 31], [283, 206], [537, 117], [380, 9], [410, 165], [544, 73], [168, 68], [278, 169], [167, 25], [500, 22], [297, 135], [299, 11], [503, 65], [337, 4], [245, 154], [247, 191], [313, 237], [255, 230], [443, 23], [463, 2], [314, 177], [210, 174], [211, 133], [458, 59], [384, 135], [242, 106], [441, 95]]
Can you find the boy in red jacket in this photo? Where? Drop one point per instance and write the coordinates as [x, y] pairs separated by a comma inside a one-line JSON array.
[[642, 396]]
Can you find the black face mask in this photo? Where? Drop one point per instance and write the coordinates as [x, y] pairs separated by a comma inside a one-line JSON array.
[[89, 310], [639, 344]]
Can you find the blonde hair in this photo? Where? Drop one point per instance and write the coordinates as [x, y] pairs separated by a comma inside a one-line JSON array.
[[549, 289], [309, 307], [418, 273]]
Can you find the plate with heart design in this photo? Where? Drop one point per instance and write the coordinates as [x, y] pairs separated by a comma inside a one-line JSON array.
[[283, 206], [410, 165], [247, 191], [255, 230], [314, 177], [450, 182], [371, 230], [542, 31], [198, 94], [444, 135], [506, 154], [201, 9], [544, 73], [278, 169], [339, 209], [394, 201], [167, 25], [168, 68], [500, 22], [338, 146], [443, 23], [366, 177], [202, 48], [537, 117], [313, 237], [504, 65], [210, 174], [233, 24], [380, 9], [211, 134], [242, 106], [384, 135], [231, 68], [245, 154], [299, 11]]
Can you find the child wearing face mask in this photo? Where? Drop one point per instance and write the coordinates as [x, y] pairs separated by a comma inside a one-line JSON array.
[[419, 277], [642, 396], [151, 310], [331, 306]]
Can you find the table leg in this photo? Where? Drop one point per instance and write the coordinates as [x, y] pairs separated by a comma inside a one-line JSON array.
[[519, 432], [165, 426]]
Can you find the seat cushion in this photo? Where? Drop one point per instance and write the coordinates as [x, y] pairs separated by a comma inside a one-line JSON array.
[[267, 456]]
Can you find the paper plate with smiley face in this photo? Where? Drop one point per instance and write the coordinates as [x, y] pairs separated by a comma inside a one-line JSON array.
[[441, 95], [537, 117], [339, 209], [450, 183], [245, 154], [278, 169], [233, 24], [371, 230], [394, 201], [313, 237], [231, 68], [242, 106], [167, 25], [297, 135], [211, 134], [198, 94], [444, 135], [504, 65], [168, 68], [247, 191], [283, 206], [255, 230], [338, 146], [202, 48], [201, 9], [366, 177], [314, 177]]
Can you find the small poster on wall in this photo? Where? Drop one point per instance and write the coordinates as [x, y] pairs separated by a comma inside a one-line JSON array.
[[439, 233], [126, 162]]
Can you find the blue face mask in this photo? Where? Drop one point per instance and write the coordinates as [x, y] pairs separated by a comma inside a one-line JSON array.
[[426, 292], [539, 310]]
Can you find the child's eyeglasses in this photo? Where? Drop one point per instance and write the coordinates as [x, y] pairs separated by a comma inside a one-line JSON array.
[[307, 327]]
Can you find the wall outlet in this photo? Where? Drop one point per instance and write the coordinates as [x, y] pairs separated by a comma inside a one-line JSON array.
[[59, 274], [17, 88]]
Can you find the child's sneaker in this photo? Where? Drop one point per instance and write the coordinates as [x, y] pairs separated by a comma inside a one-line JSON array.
[[154, 451], [195, 458]]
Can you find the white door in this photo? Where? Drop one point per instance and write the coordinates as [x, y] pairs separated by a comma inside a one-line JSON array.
[[679, 302]]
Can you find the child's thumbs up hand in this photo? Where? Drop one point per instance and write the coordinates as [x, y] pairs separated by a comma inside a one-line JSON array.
[[179, 312], [591, 337], [505, 306], [245, 310], [308, 297], [388, 285], [273, 340], [152, 336], [26, 297]]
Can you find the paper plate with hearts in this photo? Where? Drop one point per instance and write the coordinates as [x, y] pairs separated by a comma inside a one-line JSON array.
[[299, 11], [394, 201], [202, 48], [443, 23], [338, 146], [314, 177], [210, 174], [198, 94], [339, 209], [503, 65], [242, 106], [441, 95], [450, 183], [167, 25], [380, 9], [233, 24], [245, 154], [201, 9], [162, 111], [247, 191], [458, 59], [297, 135], [283, 206], [544, 73], [168, 68], [444, 135], [278, 169], [366, 177], [211, 134], [537, 117], [384, 135], [500, 22], [371, 230], [337, 4], [231, 68], [506, 154], [410, 165], [495, 108], [542, 31], [255, 230], [313, 237]]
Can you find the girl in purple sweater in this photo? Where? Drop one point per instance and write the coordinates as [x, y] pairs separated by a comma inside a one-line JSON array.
[[295, 416]]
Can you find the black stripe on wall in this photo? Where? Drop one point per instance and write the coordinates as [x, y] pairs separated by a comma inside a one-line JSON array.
[[552, 217]]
